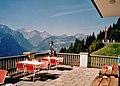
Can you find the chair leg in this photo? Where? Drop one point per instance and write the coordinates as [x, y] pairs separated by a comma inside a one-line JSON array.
[[56, 66], [47, 70], [24, 75], [33, 77], [43, 73], [49, 66]]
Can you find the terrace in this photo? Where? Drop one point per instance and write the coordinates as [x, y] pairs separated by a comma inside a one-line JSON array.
[[77, 70], [76, 76]]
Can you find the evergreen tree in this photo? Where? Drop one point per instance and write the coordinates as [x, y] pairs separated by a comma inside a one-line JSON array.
[[118, 23], [93, 37], [114, 26], [114, 32], [100, 36], [78, 46], [87, 43], [70, 49], [83, 46], [96, 44], [63, 50]]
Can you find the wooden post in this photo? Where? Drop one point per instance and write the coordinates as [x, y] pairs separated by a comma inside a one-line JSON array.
[[83, 59]]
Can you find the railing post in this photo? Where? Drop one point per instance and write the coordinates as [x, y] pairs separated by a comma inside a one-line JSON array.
[[119, 76], [119, 71], [83, 59]]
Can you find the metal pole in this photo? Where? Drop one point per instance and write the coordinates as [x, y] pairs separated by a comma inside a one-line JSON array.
[[119, 70]]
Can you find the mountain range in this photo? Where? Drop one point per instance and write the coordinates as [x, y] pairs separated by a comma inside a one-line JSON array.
[[41, 39], [34, 37], [15, 42], [24, 43]]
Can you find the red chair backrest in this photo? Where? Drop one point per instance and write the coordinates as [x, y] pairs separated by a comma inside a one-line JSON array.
[[20, 66], [44, 65], [34, 60], [45, 59], [115, 68], [2, 75], [53, 61], [105, 67], [60, 60], [30, 68]]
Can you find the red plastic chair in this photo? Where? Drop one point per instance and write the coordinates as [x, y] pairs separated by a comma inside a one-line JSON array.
[[53, 62], [20, 66], [60, 60], [2, 76], [105, 67], [114, 67], [44, 66], [32, 68]]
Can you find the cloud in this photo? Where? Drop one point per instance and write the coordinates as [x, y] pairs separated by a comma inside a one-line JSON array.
[[70, 12], [90, 27]]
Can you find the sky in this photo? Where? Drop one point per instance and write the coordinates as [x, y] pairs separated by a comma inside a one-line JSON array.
[[57, 17]]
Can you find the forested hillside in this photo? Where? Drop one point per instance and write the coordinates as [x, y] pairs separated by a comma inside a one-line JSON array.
[[93, 43]]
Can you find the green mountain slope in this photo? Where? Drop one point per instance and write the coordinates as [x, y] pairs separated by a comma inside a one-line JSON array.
[[109, 50]]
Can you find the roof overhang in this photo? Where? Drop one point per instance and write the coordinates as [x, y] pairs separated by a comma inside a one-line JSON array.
[[107, 8]]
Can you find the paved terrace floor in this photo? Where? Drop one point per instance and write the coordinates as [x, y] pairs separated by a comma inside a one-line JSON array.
[[75, 76]]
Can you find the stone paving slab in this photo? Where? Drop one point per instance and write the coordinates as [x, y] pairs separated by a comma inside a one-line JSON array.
[[78, 76]]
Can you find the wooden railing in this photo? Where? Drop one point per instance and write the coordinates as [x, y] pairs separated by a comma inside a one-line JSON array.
[[70, 59], [98, 61], [40, 55], [9, 63]]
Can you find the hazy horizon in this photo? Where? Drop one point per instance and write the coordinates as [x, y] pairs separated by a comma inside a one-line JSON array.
[[57, 17]]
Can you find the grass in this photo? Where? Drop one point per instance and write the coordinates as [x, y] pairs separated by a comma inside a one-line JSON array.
[[109, 50]]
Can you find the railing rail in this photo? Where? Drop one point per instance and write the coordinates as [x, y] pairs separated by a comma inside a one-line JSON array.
[[9, 63], [98, 61]]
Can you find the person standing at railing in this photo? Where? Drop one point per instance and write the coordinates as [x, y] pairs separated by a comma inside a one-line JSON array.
[[51, 53], [51, 48], [55, 54]]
